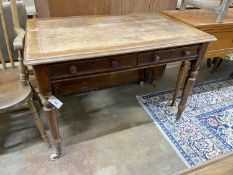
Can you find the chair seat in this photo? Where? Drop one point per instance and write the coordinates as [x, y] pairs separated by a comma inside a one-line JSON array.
[[12, 91]]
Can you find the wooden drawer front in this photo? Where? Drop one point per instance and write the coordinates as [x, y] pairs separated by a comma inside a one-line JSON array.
[[86, 67], [167, 55], [225, 40]]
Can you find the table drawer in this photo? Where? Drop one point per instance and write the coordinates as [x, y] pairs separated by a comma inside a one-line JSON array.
[[86, 67], [167, 55]]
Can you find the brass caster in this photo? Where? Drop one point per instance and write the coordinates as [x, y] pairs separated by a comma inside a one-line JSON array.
[[55, 156], [58, 154], [142, 83]]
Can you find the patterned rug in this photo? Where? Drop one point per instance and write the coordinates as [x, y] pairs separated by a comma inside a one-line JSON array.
[[206, 128]]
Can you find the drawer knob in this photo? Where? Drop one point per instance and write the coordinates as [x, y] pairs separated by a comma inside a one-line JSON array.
[[156, 58], [73, 69], [187, 53], [114, 63]]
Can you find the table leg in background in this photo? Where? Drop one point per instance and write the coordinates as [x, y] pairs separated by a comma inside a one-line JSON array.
[[180, 80]]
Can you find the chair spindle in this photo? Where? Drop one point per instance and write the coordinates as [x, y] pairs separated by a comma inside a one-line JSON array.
[[18, 42], [2, 59], [6, 35], [14, 11]]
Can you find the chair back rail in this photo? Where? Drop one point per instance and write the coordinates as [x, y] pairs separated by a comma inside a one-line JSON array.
[[218, 6], [2, 59], [6, 35], [14, 11], [18, 42], [19, 45]]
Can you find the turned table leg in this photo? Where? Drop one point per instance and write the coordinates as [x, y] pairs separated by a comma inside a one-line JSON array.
[[193, 71], [179, 81], [51, 115], [45, 91]]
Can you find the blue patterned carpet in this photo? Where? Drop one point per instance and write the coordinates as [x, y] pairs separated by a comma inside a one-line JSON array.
[[206, 128]]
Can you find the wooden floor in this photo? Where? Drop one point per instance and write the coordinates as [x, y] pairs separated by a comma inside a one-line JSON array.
[[220, 166]]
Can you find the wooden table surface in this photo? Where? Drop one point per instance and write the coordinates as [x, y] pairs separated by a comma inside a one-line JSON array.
[[71, 38]]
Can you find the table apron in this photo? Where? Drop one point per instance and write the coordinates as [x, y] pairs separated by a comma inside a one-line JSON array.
[[98, 66]]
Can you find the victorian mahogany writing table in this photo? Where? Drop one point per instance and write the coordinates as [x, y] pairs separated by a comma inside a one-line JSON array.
[[63, 50]]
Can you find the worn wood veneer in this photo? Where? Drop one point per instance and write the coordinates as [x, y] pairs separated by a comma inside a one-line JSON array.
[[79, 38]]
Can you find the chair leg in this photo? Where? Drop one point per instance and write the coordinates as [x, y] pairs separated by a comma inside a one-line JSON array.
[[209, 60], [214, 60], [183, 5], [35, 95], [38, 121], [3, 130], [223, 10], [179, 81]]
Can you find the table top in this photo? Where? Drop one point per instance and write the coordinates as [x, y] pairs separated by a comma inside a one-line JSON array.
[[200, 18], [72, 38]]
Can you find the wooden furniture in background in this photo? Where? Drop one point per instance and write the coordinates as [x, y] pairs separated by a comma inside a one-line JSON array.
[[61, 8], [69, 49], [6, 35], [205, 21], [218, 6], [42, 8], [14, 87], [220, 166]]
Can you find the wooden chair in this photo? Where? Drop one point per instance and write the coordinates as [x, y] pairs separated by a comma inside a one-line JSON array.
[[14, 85], [218, 6]]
